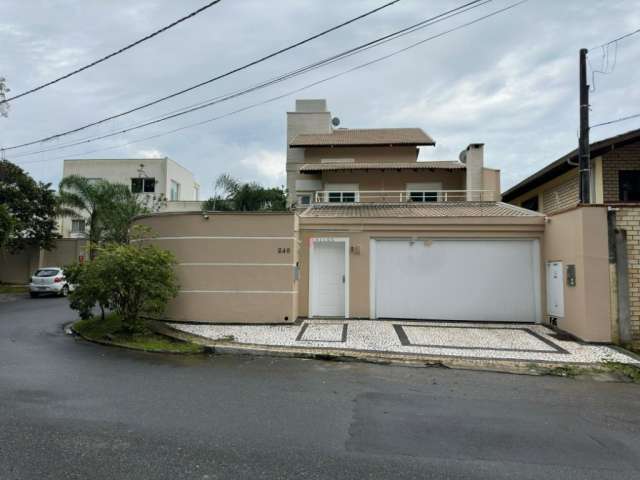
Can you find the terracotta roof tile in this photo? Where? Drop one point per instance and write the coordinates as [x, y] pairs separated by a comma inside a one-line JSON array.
[[364, 137], [327, 167], [440, 209]]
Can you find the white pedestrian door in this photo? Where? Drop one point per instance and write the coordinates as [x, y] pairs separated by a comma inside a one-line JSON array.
[[555, 289], [328, 279]]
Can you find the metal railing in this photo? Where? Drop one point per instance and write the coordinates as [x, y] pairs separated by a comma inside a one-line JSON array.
[[404, 196]]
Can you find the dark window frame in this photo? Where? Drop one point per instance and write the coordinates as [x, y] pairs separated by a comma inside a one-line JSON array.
[[629, 178]]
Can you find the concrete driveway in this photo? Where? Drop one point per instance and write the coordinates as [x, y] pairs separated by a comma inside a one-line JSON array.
[[475, 341], [75, 410]]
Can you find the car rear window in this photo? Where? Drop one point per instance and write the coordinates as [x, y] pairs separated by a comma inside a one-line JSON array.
[[47, 272]]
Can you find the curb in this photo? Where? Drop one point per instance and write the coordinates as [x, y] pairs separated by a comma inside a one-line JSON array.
[[407, 360]]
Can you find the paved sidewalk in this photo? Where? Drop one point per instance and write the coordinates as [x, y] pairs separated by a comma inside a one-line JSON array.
[[508, 342]]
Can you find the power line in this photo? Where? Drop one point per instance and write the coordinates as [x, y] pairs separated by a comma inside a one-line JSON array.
[[622, 119], [293, 92], [621, 37], [117, 52], [289, 75], [210, 80]]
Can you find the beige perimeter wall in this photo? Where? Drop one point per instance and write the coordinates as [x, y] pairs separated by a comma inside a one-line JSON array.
[[579, 237], [18, 268], [232, 267]]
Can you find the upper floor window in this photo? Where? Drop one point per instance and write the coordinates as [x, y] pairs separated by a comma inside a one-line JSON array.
[[531, 204], [143, 185], [304, 199], [175, 190], [629, 185], [423, 192], [78, 225], [341, 193]]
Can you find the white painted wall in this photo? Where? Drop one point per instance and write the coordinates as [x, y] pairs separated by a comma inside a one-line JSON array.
[[119, 170]]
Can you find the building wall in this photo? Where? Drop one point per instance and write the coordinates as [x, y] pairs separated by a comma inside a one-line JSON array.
[[558, 194], [360, 231], [579, 237], [628, 219], [18, 268], [395, 180], [188, 185], [232, 267], [374, 154], [624, 158]]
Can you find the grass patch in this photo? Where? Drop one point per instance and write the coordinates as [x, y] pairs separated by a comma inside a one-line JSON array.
[[110, 330], [632, 372], [8, 288]]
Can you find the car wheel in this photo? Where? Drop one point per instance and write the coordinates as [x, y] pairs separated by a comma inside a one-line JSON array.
[[33, 294], [65, 291]]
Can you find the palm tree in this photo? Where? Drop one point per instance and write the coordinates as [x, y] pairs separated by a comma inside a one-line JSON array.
[[245, 197], [95, 200]]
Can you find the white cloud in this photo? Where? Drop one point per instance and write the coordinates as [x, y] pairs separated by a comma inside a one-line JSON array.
[[149, 154], [269, 164]]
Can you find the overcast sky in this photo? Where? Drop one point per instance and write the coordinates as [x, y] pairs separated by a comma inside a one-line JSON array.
[[510, 81]]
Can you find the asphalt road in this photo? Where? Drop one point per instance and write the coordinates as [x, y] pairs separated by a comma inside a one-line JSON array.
[[74, 410]]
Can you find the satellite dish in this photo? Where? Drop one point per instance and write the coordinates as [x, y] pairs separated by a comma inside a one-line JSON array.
[[335, 121]]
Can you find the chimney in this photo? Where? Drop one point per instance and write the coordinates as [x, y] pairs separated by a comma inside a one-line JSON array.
[[473, 158], [310, 116]]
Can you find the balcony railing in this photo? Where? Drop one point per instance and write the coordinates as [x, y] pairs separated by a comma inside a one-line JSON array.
[[404, 196]]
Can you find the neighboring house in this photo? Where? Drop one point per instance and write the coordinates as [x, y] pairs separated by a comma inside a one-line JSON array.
[[157, 178], [375, 165], [615, 189]]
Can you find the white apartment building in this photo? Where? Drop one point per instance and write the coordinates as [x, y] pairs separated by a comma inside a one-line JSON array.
[[158, 177]]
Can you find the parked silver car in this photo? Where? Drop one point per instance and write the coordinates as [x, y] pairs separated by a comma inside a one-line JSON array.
[[49, 280]]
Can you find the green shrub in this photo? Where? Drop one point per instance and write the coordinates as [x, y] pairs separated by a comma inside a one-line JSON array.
[[134, 280]]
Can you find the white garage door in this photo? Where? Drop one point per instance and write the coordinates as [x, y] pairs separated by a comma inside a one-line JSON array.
[[481, 280]]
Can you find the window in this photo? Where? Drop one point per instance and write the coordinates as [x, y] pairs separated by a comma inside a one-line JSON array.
[[143, 185], [423, 196], [304, 199], [341, 193], [342, 197], [47, 272], [629, 185], [423, 192], [78, 225], [531, 204], [175, 190]]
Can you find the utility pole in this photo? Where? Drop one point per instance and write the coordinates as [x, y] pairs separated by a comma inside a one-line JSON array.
[[584, 154]]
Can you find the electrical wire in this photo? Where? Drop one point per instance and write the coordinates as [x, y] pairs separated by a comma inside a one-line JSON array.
[[210, 80], [622, 119], [113, 54], [216, 100], [292, 92], [621, 37]]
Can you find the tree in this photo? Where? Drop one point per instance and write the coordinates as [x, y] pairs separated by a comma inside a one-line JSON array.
[[6, 225], [109, 207], [245, 197], [134, 280], [4, 106], [31, 207]]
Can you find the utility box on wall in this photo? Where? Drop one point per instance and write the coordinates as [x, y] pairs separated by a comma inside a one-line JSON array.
[[555, 289]]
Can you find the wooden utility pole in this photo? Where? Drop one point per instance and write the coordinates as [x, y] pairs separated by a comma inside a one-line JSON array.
[[584, 154]]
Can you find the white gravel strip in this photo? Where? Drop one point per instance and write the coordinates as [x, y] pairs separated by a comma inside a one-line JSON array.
[[469, 340]]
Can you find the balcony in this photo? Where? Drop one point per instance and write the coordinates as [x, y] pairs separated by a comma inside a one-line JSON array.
[[404, 196]]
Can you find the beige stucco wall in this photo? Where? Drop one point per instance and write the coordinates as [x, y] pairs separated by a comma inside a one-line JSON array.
[[579, 237], [232, 267], [18, 268], [395, 180], [371, 154], [360, 231]]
